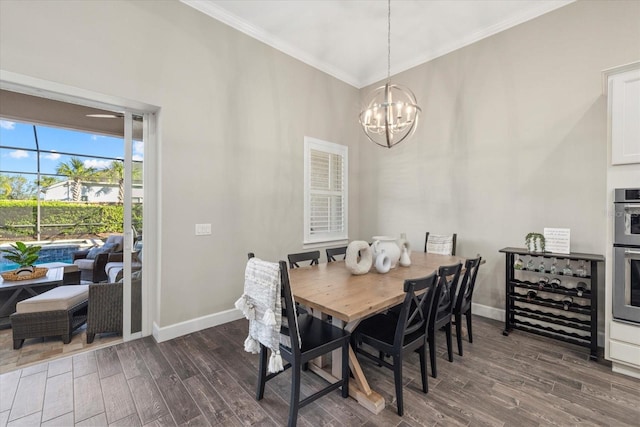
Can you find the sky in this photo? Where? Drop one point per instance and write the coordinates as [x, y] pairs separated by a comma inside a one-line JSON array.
[[20, 136]]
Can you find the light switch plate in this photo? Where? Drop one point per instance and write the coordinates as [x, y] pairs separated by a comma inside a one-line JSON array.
[[203, 229]]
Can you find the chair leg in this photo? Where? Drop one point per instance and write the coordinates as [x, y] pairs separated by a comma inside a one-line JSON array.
[[432, 352], [262, 372], [90, 337], [459, 332], [381, 357], [468, 316], [447, 330], [397, 377], [345, 369], [17, 344], [294, 403], [422, 351]]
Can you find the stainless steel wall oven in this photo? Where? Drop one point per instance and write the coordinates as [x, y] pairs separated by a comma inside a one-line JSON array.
[[626, 255]]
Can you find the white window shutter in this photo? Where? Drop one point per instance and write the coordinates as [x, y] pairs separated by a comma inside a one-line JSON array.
[[325, 191]]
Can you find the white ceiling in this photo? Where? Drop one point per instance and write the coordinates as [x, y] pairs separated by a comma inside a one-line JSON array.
[[348, 38]]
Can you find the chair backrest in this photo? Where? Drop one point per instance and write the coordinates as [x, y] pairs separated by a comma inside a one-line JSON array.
[[290, 328], [468, 283], [445, 291], [333, 252], [416, 308], [294, 259], [443, 244]]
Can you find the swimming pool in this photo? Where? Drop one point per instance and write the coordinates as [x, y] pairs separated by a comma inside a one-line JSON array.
[[49, 253]]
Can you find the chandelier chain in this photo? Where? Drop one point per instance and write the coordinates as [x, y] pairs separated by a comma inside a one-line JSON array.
[[389, 41]]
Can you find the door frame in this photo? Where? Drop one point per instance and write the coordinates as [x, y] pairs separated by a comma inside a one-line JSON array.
[[28, 85]]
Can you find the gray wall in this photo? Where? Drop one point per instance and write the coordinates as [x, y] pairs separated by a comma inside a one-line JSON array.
[[512, 136], [234, 113], [512, 139]]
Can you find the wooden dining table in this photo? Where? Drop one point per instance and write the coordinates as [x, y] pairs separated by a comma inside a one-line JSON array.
[[330, 289]]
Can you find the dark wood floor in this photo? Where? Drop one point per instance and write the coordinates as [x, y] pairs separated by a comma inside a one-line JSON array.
[[206, 378]]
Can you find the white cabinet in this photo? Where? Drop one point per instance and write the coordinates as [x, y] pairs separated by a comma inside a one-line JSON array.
[[622, 87]]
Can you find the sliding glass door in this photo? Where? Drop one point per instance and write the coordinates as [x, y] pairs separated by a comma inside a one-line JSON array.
[[134, 141]]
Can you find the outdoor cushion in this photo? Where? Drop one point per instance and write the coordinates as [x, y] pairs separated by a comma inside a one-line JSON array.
[[118, 239], [94, 252], [84, 264], [106, 248], [60, 298], [113, 268]]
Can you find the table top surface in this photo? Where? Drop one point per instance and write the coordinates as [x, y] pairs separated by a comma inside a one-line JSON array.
[[53, 275], [332, 289]]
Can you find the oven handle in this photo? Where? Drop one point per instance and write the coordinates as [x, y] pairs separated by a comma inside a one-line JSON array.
[[631, 252]]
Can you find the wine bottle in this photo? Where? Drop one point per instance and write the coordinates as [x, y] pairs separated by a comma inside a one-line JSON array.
[[566, 302], [555, 283], [581, 288], [531, 295], [543, 282], [541, 267]]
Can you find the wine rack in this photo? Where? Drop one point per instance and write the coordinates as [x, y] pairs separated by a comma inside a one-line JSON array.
[[552, 304]]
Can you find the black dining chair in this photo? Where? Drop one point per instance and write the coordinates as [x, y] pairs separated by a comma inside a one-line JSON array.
[[332, 253], [441, 315], [463, 300], [399, 335], [443, 244], [294, 259], [316, 338]]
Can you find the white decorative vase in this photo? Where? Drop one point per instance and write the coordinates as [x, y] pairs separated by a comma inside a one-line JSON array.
[[405, 260], [383, 263], [404, 243], [390, 246], [359, 257]]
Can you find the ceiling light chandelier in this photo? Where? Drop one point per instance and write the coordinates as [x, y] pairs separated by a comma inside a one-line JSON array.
[[392, 114]]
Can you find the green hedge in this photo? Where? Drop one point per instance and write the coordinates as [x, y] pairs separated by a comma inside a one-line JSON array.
[[62, 219]]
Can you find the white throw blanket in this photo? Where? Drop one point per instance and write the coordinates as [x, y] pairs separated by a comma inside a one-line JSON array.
[[261, 303]]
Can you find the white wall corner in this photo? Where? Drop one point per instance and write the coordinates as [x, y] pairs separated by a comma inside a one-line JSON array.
[[166, 333]]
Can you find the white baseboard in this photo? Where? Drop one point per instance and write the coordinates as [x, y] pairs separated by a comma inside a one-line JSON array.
[[166, 333], [189, 326], [625, 370], [489, 312]]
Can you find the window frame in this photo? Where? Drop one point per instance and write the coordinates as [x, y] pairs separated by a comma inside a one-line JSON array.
[[329, 148]]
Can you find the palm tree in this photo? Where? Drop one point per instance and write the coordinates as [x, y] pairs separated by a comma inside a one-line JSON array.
[[115, 171], [48, 181], [76, 172]]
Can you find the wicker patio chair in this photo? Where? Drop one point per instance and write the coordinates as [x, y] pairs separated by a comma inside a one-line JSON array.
[[104, 313]]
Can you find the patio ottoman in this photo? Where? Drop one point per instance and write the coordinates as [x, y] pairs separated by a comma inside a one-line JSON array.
[[59, 311]]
